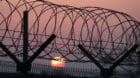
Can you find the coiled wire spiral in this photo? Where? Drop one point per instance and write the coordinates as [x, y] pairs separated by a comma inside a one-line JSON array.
[[106, 33]]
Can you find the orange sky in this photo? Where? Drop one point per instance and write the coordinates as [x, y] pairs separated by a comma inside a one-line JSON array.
[[128, 6]]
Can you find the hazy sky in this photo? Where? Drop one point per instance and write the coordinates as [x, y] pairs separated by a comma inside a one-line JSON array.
[[130, 7]]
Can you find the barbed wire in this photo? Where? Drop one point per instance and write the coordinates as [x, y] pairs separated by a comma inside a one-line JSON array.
[[106, 33]]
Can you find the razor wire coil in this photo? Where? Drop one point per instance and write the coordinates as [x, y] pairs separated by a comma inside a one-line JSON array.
[[106, 33]]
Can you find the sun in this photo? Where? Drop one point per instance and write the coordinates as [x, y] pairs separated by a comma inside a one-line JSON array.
[[58, 62]]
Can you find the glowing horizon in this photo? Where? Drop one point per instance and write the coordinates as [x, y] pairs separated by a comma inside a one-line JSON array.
[[58, 62]]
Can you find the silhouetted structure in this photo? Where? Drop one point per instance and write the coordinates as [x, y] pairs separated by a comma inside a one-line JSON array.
[[105, 33]]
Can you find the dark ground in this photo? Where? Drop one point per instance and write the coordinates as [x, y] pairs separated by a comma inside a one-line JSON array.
[[20, 75]]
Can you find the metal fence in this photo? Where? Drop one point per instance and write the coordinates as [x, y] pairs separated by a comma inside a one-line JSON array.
[[8, 66]]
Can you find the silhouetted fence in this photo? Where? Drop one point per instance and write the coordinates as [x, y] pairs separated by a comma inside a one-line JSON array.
[[104, 36], [6, 66], [10, 67]]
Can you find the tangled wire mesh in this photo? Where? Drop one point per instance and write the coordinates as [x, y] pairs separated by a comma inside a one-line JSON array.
[[106, 33]]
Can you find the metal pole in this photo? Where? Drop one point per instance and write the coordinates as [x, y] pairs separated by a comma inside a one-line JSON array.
[[107, 72], [25, 36], [9, 53], [123, 57], [86, 53], [41, 48]]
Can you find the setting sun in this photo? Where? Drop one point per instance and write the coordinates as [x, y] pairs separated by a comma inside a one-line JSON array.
[[58, 62]]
